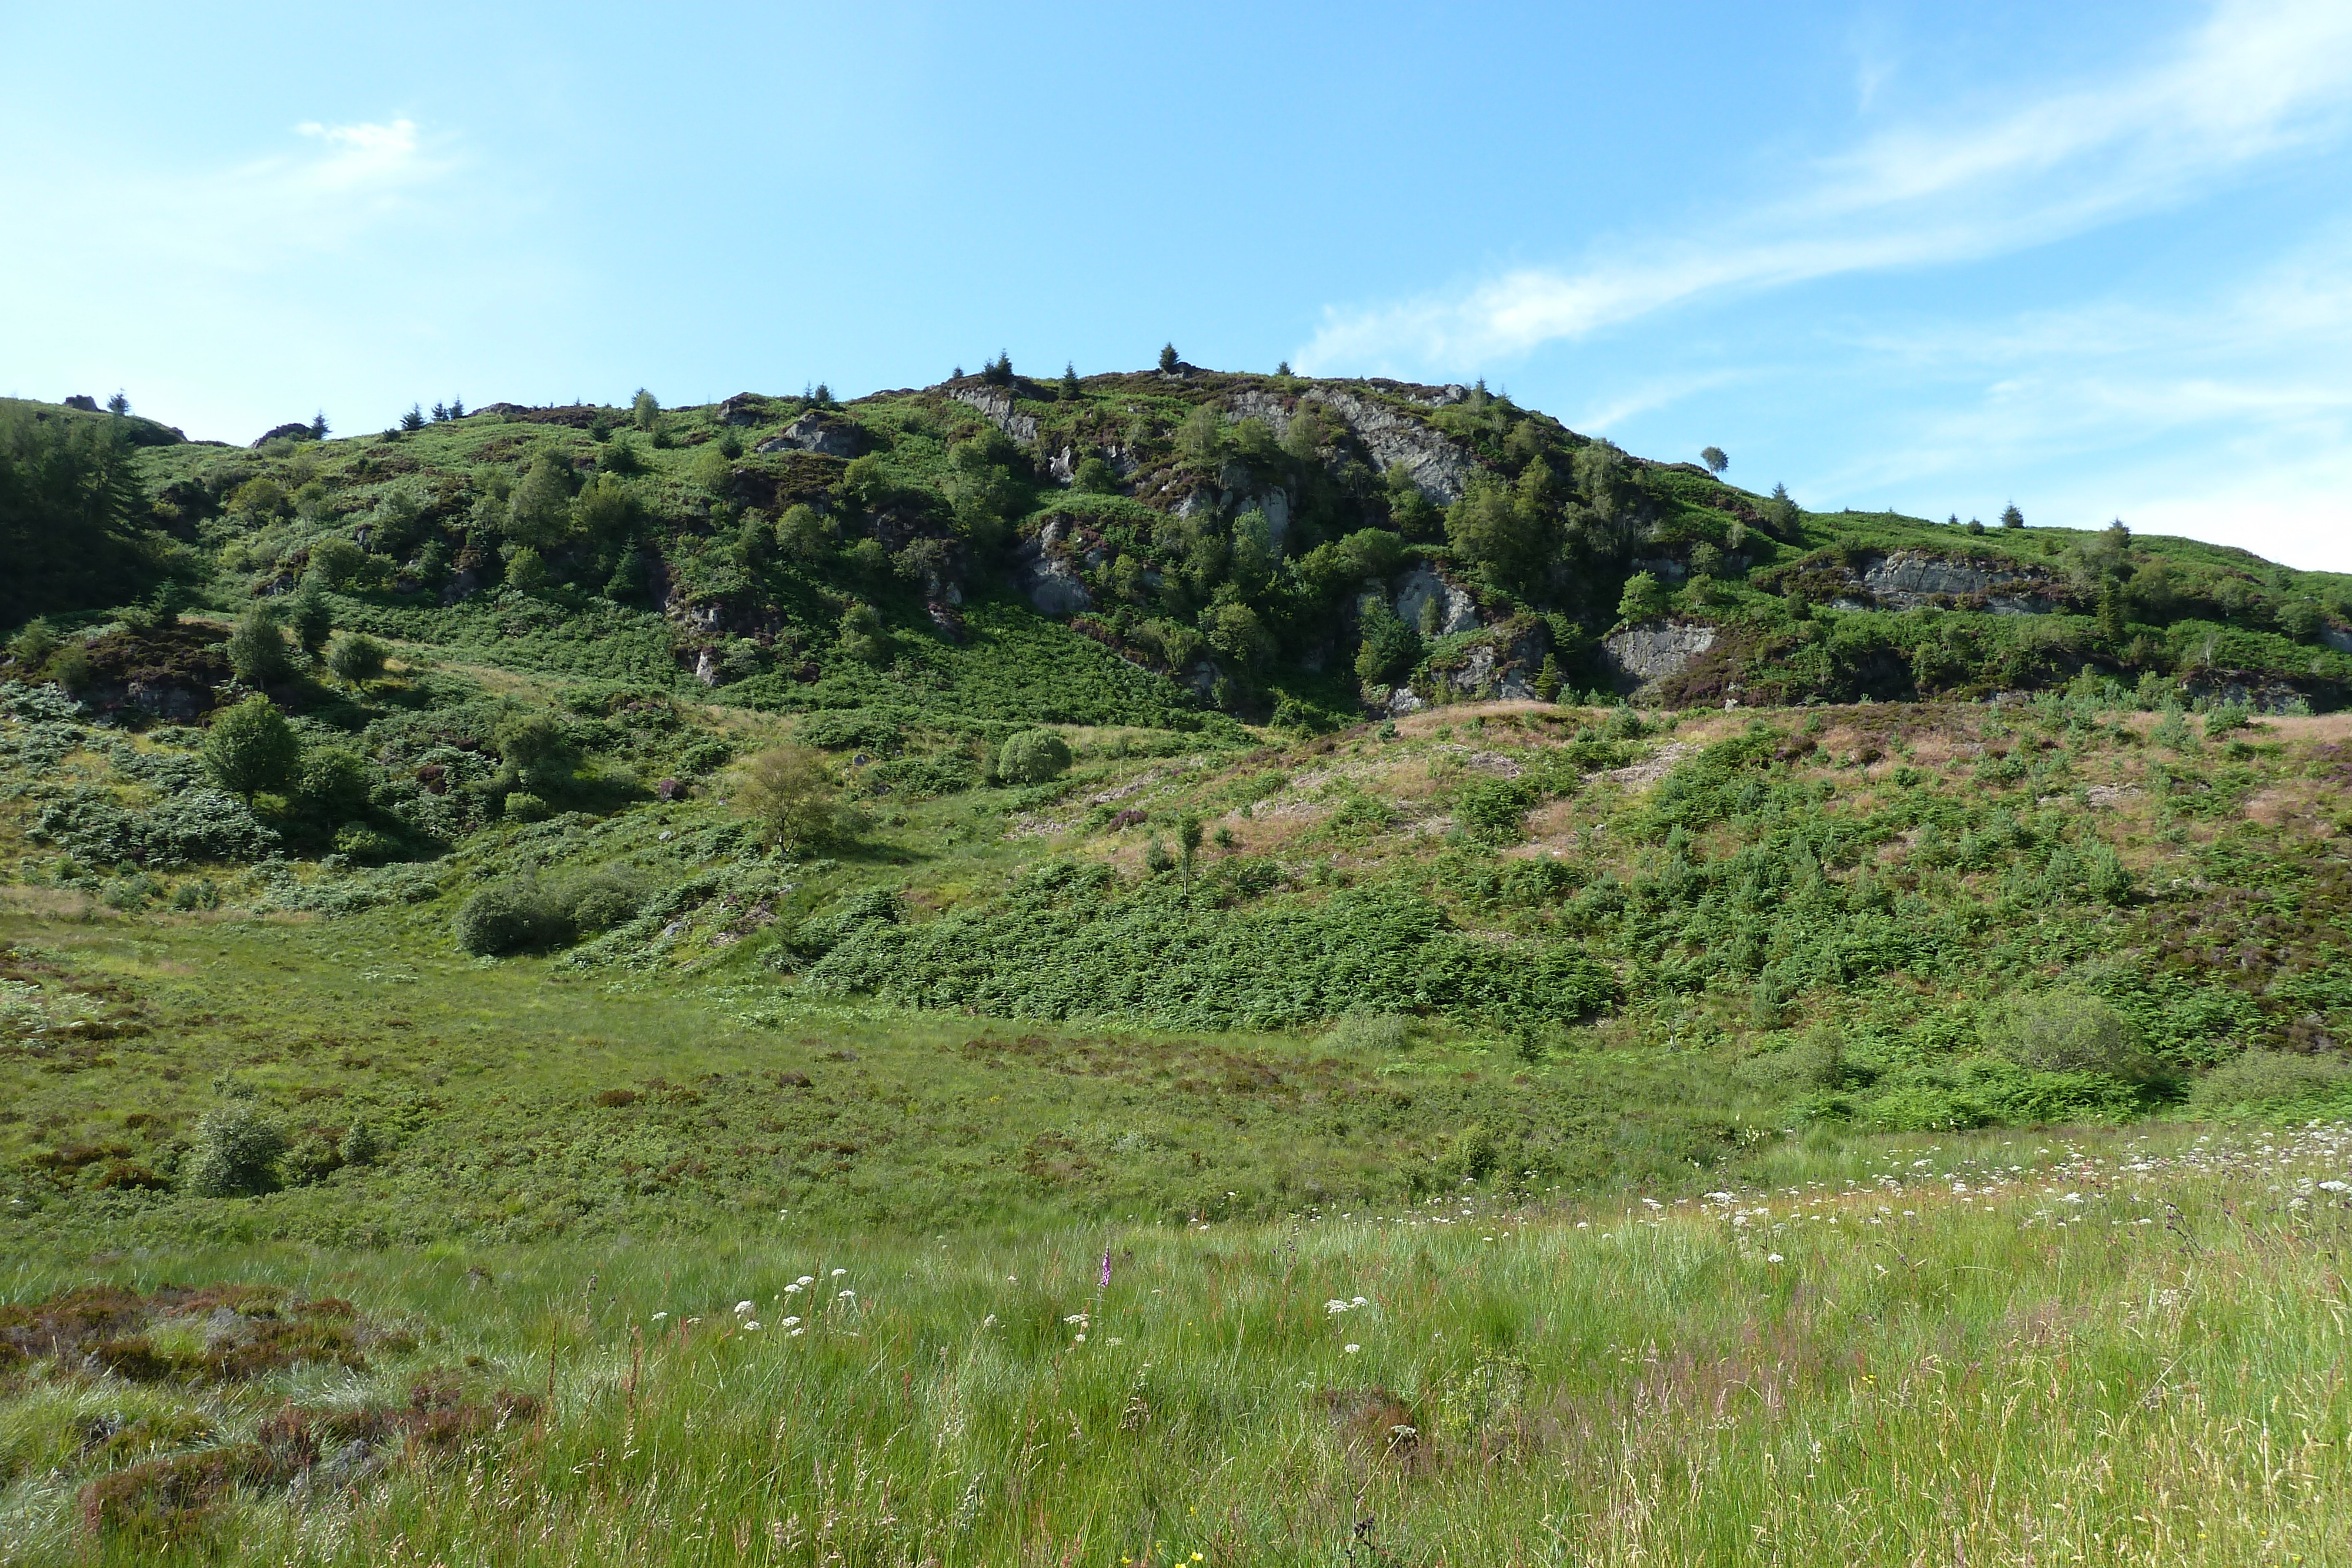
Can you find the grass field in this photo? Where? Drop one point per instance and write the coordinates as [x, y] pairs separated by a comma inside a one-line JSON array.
[[1984, 1349], [1656, 1082]]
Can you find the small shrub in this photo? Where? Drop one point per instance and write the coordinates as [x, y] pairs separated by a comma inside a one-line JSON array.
[[523, 806], [71, 669], [2067, 1032], [1094, 477], [359, 1144], [2273, 1079], [600, 900], [509, 917], [1033, 757], [332, 785], [788, 793], [355, 657], [237, 1153], [251, 747], [365, 845], [257, 650], [1491, 810], [1798, 1067], [1370, 1032]]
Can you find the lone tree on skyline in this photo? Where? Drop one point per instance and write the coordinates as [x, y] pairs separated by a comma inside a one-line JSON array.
[[1715, 460], [1168, 360], [2010, 518]]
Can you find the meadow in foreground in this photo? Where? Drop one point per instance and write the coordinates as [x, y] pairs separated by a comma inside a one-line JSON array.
[[1995, 1348]]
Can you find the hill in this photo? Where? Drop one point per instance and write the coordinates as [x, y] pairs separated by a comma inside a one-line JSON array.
[[493, 911]]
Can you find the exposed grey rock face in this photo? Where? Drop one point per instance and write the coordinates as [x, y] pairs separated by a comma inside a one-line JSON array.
[[1437, 466], [2336, 638], [1477, 673], [1907, 577], [1456, 610], [811, 433], [1048, 580], [995, 405], [706, 667], [1063, 467], [1651, 652]]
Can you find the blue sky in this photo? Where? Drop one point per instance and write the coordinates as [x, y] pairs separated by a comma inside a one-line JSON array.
[[2095, 258]]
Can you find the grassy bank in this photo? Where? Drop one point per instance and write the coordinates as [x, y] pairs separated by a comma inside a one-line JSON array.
[[1987, 1349]]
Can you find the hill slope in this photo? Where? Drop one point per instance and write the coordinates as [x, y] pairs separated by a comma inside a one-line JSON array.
[[1293, 711]]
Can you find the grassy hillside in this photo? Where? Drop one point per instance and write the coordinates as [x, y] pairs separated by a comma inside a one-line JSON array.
[[469, 890]]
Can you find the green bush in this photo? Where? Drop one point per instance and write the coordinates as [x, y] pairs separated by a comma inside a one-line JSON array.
[[1800, 1066], [511, 917], [1492, 810], [523, 806], [355, 657], [1370, 1032], [332, 784], [257, 650], [364, 844], [2067, 1032], [237, 1153], [1033, 757], [251, 747], [2272, 1080]]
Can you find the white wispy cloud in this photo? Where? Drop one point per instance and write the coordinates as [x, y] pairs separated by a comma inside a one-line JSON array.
[[358, 156], [2256, 78]]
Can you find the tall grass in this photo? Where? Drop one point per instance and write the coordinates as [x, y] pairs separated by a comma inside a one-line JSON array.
[[2112, 1353]]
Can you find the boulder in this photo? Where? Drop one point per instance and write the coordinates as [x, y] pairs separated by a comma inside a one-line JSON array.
[[83, 402], [299, 430]]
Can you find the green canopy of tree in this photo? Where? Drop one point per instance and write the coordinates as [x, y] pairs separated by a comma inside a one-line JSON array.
[[72, 518]]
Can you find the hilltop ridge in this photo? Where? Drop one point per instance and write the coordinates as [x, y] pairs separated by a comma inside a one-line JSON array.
[[1267, 547]]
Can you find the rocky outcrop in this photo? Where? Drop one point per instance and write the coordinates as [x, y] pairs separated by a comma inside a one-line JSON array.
[[1049, 582], [1391, 437], [1457, 612], [1639, 655], [745, 409], [1904, 578], [296, 431], [994, 405], [813, 431]]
